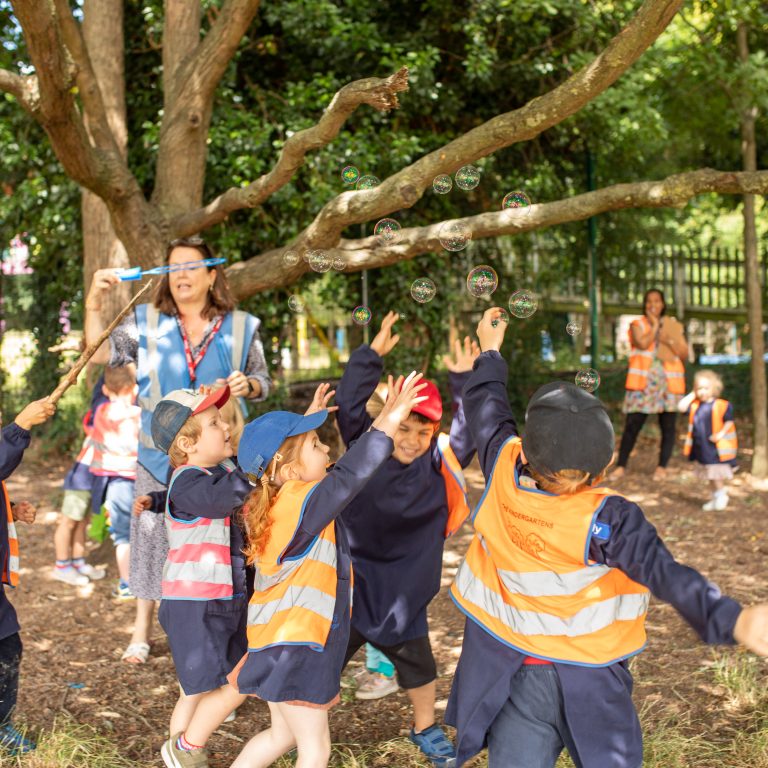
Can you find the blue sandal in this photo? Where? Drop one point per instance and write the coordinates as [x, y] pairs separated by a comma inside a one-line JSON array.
[[435, 745]]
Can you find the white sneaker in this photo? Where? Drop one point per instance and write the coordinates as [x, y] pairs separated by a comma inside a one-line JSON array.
[[87, 570], [376, 686], [231, 716], [716, 504], [69, 575]]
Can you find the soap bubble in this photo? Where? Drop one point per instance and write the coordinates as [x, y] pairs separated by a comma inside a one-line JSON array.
[[319, 261], [338, 262], [296, 303], [423, 290], [482, 281], [454, 235], [523, 303], [573, 328], [516, 199], [361, 315], [502, 318], [290, 258], [349, 174], [467, 177], [387, 231], [367, 182], [442, 184], [588, 379]]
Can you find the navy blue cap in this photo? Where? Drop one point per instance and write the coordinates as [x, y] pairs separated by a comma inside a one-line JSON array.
[[262, 438]]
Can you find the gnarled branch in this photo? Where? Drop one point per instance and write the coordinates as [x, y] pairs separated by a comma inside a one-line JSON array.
[[23, 87]]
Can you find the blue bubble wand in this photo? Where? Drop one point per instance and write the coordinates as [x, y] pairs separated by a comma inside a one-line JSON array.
[[136, 273]]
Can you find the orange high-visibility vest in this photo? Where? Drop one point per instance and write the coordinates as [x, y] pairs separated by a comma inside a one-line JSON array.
[[455, 486], [10, 572], [527, 579], [727, 444], [640, 363], [294, 598], [199, 561]]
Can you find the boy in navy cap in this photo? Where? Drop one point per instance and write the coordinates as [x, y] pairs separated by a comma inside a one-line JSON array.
[[398, 524], [556, 583]]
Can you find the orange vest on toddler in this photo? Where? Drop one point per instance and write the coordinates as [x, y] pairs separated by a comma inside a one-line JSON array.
[[640, 363], [727, 444], [294, 598], [10, 572], [527, 579]]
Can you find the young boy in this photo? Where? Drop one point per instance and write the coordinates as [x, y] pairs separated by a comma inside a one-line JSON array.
[[556, 583], [15, 439], [397, 526], [69, 538], [115, 440]]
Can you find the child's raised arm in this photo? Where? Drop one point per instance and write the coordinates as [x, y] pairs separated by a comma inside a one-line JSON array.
[[460, 366], [402, 395], [684, 405]]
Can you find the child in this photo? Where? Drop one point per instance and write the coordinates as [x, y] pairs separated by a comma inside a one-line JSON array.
[[115, 439], [298, 617], [398, 525], [69, 538], [15, 439], [711, 439], [556, 584]]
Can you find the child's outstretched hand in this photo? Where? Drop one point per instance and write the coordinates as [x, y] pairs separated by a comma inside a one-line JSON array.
[[24, 511], [320, 400], [751, 629], [401, 397], [384, 342], [464, 356], [37, 412], [490, 334], [141, 504]]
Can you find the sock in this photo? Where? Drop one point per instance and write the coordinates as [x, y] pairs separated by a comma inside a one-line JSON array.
[[123, 584], [78, 562], [183, 744], [63, 564]]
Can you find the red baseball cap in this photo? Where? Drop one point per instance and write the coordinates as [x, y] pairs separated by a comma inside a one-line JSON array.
[[432, 407]]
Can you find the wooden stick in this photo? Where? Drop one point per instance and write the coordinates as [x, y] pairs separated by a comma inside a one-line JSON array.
[[70, 378]]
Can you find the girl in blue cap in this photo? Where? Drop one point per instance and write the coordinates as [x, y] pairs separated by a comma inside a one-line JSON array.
[[298, 617]]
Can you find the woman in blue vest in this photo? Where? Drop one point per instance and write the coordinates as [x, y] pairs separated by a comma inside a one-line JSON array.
[[189, 336]]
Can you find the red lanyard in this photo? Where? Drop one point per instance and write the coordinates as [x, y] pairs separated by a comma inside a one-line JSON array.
[[193, 362]]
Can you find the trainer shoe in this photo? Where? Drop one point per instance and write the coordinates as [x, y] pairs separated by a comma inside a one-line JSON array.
[[174, 757], [14, 742], [376, 686], [716, 504], [435, 746], [93, 573], [122, 592], [69, 575]]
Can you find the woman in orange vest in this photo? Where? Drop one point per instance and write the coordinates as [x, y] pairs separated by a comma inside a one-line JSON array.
[[299, 614], [655, 379], [711, 439], [556, 582]]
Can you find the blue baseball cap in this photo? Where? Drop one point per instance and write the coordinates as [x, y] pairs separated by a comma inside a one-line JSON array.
[[261, 439]]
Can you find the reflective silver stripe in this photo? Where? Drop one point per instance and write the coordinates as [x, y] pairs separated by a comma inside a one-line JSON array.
[[13, 563], [310, 598], [322, 550], [239, 355], [590, 619], [153, 363], [674, 374], [546, 583], [210, 573], [638, 371], [216, 534], [642, 353]]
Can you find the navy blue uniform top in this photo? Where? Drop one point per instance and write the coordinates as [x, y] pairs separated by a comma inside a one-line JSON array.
[[12, 446], [297, 672], [704, 450], [396, 526], [631, 544]]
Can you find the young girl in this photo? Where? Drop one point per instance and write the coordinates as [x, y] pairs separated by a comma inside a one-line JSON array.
[[299, 615], [711, 439]]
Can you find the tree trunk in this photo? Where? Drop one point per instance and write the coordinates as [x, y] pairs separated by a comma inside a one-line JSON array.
[[103, 35], [754, 286]]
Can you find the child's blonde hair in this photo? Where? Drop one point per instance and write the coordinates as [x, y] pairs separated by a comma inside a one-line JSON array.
[[714, 378], [255, 512], [566, 481], [192, 429]]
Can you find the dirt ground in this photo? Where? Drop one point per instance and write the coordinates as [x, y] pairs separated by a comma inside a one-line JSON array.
[[74, 636]]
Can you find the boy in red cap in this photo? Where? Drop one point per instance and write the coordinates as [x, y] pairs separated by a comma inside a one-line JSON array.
[[397, 526]]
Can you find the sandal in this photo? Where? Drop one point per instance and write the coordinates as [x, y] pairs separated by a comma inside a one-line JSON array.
[[136, 653], [435, 745]]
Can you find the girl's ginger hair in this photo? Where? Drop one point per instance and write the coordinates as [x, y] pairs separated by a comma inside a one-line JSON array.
[[567, 481], [231, 413], [192, 429], [255, 514], [714, 378]]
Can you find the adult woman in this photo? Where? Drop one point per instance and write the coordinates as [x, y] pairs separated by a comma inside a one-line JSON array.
[[655, 379], [190, 335]]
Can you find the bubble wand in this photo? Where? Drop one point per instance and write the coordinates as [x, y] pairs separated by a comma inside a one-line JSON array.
[[136, 273], [70, 378]]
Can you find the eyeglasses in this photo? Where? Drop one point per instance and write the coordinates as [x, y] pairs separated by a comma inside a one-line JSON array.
[[186, 241]]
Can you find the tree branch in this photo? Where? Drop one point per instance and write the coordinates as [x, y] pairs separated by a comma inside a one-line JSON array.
[[267, 270], [23, 87], [379, 93]]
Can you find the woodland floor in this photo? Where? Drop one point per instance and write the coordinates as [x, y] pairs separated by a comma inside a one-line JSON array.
[[76, 636]]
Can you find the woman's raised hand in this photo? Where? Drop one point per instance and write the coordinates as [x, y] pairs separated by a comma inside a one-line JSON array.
[[323, 394], [384, 341], [103, 280], [402, 395]]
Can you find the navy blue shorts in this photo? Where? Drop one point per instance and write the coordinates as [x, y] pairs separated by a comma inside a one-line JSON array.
[[207, 639]]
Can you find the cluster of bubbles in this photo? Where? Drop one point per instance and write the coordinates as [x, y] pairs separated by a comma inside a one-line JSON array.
[[361, 315], [523, 303], [423, 290], [482, 281], [351, 175], [467, 178], [588, 379], [517, 200], [387, 231], [454, 235]]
